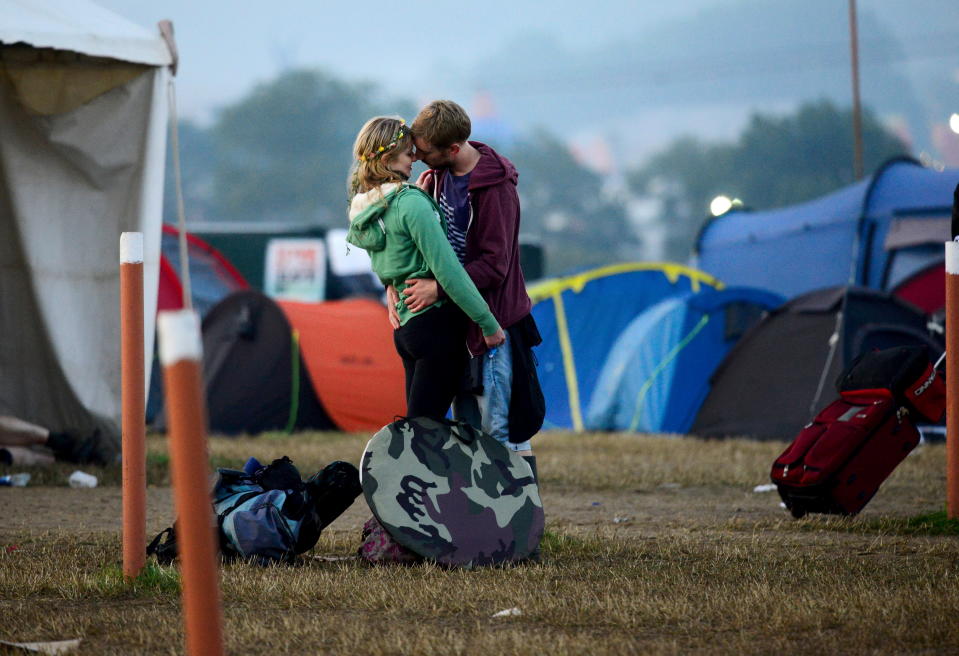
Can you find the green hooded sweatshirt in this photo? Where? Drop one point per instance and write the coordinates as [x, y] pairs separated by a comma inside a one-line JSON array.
[[404, 232]]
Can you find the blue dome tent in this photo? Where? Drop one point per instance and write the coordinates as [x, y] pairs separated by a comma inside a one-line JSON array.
[[874, 234], [657, 373], [581, 316]]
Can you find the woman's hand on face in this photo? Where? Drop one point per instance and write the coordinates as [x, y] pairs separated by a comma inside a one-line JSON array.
[[494, 340], [425, 180]]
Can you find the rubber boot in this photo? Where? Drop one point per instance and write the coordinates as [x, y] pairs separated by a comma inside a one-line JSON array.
[[534, 555]]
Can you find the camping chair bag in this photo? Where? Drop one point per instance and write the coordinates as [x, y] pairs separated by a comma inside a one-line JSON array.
[[451, 493], [838, 461]]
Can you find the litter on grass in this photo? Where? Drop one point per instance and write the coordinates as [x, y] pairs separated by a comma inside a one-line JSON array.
[[56, 647], [15, 480], [82, 479]]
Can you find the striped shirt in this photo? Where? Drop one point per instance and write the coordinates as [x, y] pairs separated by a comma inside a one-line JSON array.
[[455, 203]]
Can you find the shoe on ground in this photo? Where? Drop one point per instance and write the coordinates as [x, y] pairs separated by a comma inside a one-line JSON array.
[[92, 449]]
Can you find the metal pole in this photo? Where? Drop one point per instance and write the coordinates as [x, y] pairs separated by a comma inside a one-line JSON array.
[[856, 107]]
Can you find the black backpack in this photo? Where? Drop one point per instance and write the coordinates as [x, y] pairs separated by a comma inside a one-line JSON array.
[[271, 515]]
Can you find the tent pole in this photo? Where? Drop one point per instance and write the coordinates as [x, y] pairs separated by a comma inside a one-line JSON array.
[[181, 214]]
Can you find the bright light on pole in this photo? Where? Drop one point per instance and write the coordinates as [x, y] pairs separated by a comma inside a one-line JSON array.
[[954, 123], [720, 205]]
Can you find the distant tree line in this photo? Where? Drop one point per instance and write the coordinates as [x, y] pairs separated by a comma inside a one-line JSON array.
[[777, 161], [282, 152]]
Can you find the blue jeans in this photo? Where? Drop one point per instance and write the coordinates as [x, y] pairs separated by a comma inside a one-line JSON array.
[[490, 412]]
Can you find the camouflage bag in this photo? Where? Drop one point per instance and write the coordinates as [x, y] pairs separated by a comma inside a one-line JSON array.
[[452, 493]]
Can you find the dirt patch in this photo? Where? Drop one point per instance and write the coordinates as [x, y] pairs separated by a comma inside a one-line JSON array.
[[666, 508]]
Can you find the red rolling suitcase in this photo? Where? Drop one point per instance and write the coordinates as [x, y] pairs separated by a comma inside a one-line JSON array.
[[838, 461]]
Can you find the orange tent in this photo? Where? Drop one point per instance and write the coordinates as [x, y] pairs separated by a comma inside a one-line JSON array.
[[348, 350]]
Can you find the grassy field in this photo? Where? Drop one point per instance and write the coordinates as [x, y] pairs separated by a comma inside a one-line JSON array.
[[654, 545]]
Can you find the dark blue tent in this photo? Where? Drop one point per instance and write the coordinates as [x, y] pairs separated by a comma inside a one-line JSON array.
[[581, 316], [657, 374], [874, 233]]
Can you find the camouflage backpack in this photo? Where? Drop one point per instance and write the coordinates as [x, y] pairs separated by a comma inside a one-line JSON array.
[[451, 493]]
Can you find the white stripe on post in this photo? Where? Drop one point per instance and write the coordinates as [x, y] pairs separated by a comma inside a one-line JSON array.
[[179, 337], [131, 248]]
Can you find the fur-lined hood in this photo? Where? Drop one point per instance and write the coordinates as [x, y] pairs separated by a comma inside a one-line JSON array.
[[362, 202], [367, 229]]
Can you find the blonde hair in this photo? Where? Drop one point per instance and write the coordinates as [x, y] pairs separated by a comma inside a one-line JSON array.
[[377, 143], [442, 123]]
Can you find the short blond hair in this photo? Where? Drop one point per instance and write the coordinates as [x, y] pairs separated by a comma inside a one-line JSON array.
[[442, 123], [377, 143]]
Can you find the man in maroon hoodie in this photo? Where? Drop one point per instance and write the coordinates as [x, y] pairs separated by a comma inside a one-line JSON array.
[[476, 188]]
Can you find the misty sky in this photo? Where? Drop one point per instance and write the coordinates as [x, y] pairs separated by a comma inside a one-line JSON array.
[[410, 48], [421, 51]]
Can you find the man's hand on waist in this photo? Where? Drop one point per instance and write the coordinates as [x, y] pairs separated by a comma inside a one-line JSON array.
[[420, 293]]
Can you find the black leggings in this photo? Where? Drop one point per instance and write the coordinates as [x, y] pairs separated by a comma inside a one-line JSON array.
[[433, 348]]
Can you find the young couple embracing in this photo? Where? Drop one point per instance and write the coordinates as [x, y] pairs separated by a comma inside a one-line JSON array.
[[447, 250]]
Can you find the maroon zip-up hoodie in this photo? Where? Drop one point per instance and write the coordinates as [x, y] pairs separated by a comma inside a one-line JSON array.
[[492, 240]]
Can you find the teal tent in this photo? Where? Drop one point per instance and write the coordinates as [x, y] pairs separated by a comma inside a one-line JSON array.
[[581, 316], [657, 373]]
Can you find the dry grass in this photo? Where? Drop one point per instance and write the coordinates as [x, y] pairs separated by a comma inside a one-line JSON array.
[[691, 573]]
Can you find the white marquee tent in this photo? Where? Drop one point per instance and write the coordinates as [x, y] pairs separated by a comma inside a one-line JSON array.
[[83, 116]]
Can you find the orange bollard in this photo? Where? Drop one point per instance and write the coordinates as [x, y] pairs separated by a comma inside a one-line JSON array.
[[180, 355], [952, 380], [133, 391]]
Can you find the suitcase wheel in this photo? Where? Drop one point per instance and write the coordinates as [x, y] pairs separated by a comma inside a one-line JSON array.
[[797, 512]]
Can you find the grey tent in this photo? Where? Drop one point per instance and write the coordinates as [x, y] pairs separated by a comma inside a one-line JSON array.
[[83, 116], [783, 370]]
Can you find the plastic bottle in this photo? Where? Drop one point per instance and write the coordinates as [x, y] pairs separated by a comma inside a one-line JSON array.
[[15, 480], [82, 479]]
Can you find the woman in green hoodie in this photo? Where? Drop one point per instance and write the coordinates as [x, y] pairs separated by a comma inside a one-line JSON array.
[[404, 232]]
